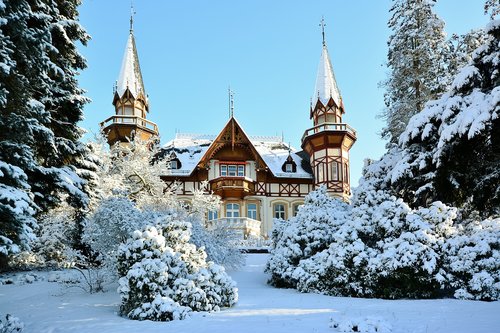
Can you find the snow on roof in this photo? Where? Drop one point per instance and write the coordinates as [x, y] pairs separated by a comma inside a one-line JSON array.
[[190, 148], [275, 153], [130, 74], [326, 85]]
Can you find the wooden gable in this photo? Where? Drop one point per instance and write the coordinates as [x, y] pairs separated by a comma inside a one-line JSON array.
[[232, 144]]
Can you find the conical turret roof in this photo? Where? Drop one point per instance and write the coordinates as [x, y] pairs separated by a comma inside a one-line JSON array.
[[326, 85], [130, 74]]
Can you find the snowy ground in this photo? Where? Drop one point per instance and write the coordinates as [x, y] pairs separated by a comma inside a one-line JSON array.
[[47, 307]]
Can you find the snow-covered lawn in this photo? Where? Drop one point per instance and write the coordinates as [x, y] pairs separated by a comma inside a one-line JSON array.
[[47, 307]]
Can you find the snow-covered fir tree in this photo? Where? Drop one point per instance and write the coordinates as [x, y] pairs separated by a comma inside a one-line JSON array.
[[451, 149], [164, 276], [41, 104], [416, 62]]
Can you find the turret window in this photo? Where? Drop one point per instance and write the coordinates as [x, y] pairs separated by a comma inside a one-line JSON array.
[[335, 172]]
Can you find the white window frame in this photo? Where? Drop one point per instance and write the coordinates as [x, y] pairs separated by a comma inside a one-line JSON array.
[[212, 215], [232, 209], [279, 213], [252, 211], [288, 167]]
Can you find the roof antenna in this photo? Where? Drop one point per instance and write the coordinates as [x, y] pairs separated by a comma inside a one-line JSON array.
[[231, 102], [132, 13], [323, 25]]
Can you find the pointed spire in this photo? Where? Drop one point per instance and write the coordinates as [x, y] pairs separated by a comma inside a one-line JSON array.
[[130, 74], [326, 85]]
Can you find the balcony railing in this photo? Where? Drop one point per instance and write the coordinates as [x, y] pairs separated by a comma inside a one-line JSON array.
[[245, 225], [329, 127], [130, 120], [232, 183]]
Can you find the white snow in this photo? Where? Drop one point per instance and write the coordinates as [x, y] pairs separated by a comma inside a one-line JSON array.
[[130, 75], [326, 85], [190, 148], [45, 307]]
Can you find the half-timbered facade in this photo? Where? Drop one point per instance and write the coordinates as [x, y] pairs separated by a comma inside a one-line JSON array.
[[258, 178]]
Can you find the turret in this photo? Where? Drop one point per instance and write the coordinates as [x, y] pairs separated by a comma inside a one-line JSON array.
[[130, 101], [329, 141]]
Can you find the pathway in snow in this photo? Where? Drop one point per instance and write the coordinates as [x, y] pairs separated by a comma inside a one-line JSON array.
[[45, 308]]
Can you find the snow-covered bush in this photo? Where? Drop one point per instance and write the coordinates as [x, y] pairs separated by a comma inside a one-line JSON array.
[[309, 232], [110, 225], [220, 243], [11, 324], [473, 260], [163, 276]]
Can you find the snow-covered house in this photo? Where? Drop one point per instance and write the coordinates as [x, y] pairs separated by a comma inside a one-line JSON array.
[[258, 178]]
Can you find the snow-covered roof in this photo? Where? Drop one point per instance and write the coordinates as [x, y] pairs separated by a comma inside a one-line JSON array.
[[130, 74], [326, 85], [190, 148], [275, 152]]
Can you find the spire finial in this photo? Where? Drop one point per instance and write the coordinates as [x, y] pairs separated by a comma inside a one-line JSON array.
[[323, 25], [132, 13], [231, 102]]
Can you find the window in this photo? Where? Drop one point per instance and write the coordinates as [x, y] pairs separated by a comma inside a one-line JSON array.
[[346, 173], [173, 164], [296, 209], [320, 175], [232, 170], [279, 211], [232, 210], [212, 215], [252, 211], [241, 170], [334, 171], [288, 167]]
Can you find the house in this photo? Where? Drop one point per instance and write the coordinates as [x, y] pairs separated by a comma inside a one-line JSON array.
[[258, 178]]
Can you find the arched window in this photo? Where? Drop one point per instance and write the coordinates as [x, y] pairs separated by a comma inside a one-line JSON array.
[[279, 211]]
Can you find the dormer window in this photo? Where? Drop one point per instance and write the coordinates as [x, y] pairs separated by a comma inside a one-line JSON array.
[[289, 166], [232, 170], [173, 162]]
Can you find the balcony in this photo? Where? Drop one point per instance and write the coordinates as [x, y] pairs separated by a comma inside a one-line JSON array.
[[246, 226], [130, 120], [332, 127], [236, 187]]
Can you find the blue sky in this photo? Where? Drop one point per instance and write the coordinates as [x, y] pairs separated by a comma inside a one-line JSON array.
[[267, 51]]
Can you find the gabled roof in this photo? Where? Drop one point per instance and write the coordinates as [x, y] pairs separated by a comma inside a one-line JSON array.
[[130, 74], [196, 150], [326, 86]]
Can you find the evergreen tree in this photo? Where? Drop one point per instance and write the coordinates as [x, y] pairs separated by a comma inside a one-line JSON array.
[[40, 106], [452, 148], [416, 60]]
